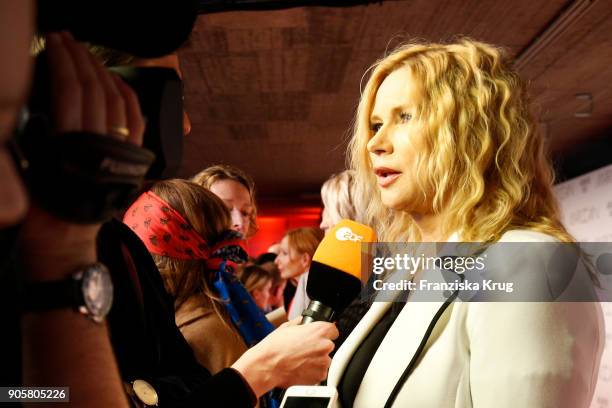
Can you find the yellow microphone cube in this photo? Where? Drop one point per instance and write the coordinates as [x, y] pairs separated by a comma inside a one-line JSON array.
[[342, 247]]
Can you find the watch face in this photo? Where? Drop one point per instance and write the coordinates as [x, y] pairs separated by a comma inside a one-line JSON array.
[[97, 291], [145, 392]]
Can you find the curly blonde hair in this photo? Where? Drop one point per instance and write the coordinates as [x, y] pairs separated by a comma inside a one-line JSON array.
[[482, 158]]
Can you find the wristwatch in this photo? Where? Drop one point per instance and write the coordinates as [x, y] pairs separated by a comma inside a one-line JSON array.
[[88, 291], [141, 393]]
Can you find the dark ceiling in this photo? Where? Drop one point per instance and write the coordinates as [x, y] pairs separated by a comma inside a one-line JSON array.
[[274, 91]]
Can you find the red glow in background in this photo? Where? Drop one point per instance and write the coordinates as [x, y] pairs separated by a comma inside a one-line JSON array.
[[274, 221]]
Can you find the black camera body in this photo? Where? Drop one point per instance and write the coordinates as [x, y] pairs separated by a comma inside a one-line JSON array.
[[85, 178], [160, 93]]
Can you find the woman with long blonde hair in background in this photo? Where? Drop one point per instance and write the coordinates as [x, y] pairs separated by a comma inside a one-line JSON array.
[[445, 149], [340, 200]]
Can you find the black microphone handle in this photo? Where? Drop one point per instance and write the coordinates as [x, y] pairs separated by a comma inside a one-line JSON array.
[[317, 312]]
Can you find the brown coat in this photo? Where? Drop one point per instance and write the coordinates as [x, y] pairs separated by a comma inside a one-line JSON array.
[[214, 341]]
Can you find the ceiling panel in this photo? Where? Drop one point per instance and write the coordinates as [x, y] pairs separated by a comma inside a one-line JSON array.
[[274, 92]]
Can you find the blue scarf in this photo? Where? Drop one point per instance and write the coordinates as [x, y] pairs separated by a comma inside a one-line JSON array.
[[246, 316]]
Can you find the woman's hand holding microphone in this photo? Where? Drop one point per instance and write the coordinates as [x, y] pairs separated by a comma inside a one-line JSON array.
[[293, 354]]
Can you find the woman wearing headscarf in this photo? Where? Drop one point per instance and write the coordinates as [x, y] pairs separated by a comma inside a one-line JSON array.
[[187, 229]]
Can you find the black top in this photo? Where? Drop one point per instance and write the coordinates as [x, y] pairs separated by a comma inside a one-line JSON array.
[[146, 341], [350, 317], [358, 365]]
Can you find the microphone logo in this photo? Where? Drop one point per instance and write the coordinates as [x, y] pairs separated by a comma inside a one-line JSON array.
[[346, 234]]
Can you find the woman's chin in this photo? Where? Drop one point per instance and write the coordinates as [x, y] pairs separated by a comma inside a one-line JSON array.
[[402, 202], [391, 202]]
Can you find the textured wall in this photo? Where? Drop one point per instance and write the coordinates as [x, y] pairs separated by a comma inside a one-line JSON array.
[[586, 204]]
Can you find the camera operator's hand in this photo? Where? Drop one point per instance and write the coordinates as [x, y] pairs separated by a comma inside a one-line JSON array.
[[293, 354], [85, 97]]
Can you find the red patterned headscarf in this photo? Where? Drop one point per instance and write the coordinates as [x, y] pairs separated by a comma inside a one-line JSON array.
[[165, 232]]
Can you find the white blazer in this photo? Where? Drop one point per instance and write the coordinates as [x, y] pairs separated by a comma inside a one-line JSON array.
[[482, 355]]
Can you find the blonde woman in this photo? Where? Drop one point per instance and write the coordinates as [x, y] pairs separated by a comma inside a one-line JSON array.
[[445, 149], [296, 250], [340, 200], [237, 190]]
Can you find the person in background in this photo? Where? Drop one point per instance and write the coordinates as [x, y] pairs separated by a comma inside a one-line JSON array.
[[194, 261], [296, 251], [340, 200], [258, 282], [237, 190], [277, 289], [277, 314], [187, 229]]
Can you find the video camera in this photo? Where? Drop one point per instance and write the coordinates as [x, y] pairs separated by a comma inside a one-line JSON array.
[[87, 178]]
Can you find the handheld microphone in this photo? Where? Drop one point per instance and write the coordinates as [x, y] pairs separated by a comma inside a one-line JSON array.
[[334, 276]]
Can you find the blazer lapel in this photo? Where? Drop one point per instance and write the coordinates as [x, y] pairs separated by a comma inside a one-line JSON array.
[[400, 346], [411, 328], [416, 324]]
